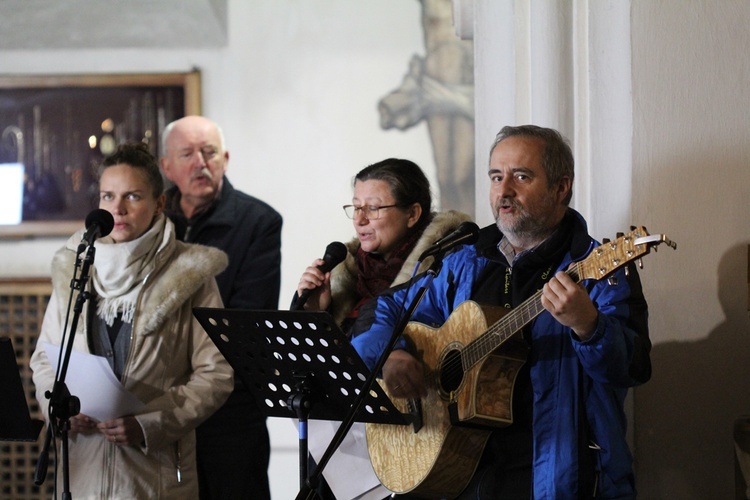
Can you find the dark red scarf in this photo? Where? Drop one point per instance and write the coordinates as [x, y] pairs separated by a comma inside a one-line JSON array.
[[376, 273]]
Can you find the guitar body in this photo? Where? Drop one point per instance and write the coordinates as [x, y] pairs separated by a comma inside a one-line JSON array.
[[440, 458]]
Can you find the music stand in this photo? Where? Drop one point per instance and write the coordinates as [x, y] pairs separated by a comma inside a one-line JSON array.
[[16, 423], [297, 364]]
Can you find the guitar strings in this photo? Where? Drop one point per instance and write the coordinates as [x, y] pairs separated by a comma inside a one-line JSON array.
[[507, 326], [499, 332]]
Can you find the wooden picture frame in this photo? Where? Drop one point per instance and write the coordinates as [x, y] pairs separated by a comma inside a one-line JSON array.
[[60, 127]]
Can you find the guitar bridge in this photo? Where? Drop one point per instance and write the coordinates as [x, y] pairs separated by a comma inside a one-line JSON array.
[[415, 413]]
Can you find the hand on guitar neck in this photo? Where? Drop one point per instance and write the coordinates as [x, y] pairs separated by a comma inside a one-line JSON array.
[[569, 303], [404, 375]]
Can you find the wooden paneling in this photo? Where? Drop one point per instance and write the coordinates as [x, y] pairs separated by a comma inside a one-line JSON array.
[[22, 306]]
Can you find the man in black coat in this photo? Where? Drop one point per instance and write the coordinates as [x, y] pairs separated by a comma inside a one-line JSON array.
[[233, 445]]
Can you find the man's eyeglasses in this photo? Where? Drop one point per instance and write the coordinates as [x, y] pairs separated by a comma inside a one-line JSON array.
[[370, 212]]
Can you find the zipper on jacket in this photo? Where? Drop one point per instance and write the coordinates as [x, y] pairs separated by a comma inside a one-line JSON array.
[[126, 366], [178, 460]]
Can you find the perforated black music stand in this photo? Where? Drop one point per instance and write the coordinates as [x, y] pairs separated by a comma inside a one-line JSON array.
[[16, 423], [297, 364]]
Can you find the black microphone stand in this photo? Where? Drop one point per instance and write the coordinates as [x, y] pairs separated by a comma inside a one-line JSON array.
[[62, 404], [307, 492]]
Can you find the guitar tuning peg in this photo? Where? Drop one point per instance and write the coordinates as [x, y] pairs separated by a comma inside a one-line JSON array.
[[612, 281], [627, 271], [640, 263]]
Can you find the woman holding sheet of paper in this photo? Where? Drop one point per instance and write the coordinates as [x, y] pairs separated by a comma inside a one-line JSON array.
[[144, 285]]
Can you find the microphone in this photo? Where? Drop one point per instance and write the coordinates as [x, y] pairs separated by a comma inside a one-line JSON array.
[[334, 255], [98, 223], [465, 234]]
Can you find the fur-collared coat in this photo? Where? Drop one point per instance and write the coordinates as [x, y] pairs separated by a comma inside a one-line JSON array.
[[344, 294], [172, 366]]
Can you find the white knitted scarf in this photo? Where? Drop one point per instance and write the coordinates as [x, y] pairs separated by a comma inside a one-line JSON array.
[[121, 268]]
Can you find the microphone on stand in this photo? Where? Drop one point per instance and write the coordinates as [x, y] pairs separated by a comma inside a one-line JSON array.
[[64, 405], [334, 255], [465, 234], [99, 223]]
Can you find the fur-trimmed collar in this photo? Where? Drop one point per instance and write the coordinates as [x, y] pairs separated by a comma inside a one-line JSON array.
[[177, 276], [344, 276]]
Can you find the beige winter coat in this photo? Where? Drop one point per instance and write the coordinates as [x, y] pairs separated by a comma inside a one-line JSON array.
[[173, 367]]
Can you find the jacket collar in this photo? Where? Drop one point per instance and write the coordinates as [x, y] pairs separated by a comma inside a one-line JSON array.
[[179, 272], [344, 276], [221, 213], [580, 242]]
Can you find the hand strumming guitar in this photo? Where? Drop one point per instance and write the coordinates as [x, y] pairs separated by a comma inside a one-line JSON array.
[[404, 375]]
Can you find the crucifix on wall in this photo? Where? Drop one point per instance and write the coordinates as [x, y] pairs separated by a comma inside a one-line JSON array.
[[439, 89]]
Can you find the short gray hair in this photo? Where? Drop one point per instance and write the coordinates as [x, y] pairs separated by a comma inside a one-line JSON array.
[[170, 126], [557, 157]]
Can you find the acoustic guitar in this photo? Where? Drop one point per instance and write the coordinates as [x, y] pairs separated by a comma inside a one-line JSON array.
[[471, 363]]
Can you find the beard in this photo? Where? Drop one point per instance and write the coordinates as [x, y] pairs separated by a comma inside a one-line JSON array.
[[527, 226]]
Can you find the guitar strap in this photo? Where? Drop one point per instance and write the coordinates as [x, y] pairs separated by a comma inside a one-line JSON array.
[[531, 285]]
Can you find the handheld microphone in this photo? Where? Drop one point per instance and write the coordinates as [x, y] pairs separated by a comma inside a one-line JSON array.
[[99, 223], [465, 234], [334, 255]]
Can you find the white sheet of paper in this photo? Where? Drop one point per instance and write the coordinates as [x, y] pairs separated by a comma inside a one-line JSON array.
[[92, 381], [349, 471]]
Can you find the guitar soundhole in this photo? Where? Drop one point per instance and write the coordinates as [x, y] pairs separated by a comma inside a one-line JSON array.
[[451, 372]]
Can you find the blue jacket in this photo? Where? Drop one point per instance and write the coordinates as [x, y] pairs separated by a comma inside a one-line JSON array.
[[613, 359]]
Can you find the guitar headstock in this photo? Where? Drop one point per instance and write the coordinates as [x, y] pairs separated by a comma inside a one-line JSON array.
[[612, 255]]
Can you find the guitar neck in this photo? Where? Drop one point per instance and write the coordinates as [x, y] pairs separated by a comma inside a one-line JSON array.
[[508, 325]]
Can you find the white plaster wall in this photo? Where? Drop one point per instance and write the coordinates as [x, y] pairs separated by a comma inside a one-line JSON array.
[[495, 88], [296, 91], [691, 179], [566, 66]]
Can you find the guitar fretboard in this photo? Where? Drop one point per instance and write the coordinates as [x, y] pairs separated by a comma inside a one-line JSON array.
[[509, 324]]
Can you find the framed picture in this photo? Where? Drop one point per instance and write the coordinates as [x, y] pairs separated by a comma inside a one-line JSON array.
[[58, 128]]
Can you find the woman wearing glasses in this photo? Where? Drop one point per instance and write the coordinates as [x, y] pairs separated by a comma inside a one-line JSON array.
[[392, 214]]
